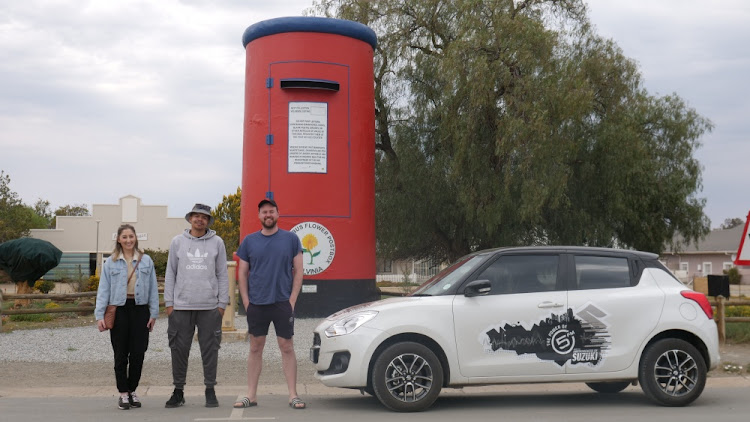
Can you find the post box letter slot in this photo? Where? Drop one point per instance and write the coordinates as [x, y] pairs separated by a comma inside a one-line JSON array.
[[310, 84]]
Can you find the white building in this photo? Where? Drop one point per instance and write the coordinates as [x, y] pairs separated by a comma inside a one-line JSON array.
[[85, 241]]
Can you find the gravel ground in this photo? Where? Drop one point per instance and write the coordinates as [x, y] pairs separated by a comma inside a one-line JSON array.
[[83, 356]]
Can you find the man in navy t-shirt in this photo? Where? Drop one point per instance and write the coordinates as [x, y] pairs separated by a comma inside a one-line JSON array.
[[270, 279]]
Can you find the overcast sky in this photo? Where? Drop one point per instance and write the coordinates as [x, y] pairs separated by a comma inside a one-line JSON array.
[[101, 99]]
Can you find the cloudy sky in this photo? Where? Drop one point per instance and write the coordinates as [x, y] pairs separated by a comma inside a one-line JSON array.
[[101, 99]]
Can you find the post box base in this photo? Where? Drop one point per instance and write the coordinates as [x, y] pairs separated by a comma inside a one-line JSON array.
[[321, 298]]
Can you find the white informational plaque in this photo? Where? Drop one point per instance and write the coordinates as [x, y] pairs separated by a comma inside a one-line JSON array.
[[308, 137]]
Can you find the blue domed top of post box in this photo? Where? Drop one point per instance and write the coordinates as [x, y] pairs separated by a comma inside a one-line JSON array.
[[343, 27]]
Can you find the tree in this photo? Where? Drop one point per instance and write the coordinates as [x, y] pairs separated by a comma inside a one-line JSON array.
[[512, 123], [16, 218], [227, 221], [79, 210], [731, 223]]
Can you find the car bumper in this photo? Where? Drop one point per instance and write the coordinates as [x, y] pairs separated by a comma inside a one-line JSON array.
[[343, 361]]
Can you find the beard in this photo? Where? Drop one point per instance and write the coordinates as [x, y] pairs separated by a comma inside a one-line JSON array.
[[268, 223]]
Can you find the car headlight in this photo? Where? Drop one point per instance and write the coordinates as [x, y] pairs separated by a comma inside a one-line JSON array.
[[349, 323]]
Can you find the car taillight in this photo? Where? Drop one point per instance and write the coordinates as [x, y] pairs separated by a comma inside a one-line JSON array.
[[701, 300]]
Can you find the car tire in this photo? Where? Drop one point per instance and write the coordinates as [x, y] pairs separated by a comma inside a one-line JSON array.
[[608, 387], [672, 372], [407, 377]]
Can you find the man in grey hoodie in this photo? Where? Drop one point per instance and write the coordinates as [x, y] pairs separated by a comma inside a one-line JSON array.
[[196, 292]]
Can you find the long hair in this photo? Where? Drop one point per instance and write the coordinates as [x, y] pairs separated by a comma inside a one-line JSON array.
[[118, 248]]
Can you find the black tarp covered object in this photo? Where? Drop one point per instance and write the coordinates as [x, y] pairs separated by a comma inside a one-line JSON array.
[[28, 259]]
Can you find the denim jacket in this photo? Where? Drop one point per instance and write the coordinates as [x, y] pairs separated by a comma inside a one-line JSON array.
[[113, 285]]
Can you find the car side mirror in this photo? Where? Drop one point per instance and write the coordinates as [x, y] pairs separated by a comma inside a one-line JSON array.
[[478, 288]]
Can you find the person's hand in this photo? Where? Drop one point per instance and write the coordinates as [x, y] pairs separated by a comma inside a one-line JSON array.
[[221, 311], [169, 310], [150, 324], [100, 325]]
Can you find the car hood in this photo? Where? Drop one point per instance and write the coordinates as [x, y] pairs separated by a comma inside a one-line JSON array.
[[379, 305]]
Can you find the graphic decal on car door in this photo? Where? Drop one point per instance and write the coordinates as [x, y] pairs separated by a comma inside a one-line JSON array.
[[579, 337]]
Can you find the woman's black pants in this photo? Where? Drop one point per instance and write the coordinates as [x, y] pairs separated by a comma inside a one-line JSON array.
[[129, 341]]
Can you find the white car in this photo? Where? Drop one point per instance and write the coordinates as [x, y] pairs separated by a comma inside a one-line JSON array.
[[605, 317]]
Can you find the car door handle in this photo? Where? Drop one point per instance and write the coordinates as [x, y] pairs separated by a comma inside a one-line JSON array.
[[550, 305]]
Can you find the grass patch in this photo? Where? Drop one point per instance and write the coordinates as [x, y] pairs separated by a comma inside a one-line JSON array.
[[738, 332], [32, 318]]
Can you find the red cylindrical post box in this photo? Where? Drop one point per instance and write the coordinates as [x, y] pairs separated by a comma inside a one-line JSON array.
[[309, 144]]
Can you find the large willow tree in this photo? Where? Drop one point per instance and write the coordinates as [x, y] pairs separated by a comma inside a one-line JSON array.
[[513, 123]]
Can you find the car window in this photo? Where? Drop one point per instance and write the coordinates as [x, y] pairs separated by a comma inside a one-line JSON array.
[[521, 274], [602, 272], [446, 279]]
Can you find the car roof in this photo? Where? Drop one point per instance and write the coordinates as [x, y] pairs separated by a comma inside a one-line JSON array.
[[571, 249]]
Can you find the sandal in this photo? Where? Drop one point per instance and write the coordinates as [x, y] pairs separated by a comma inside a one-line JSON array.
[[297, 403], [245, 402]]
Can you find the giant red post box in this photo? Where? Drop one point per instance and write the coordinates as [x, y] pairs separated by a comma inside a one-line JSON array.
[[309, 144]]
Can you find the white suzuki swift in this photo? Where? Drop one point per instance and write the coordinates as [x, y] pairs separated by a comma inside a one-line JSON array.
[[605, 317]]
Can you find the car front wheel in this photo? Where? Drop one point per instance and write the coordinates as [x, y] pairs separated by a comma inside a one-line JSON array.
[[608, 387], [407, 377], [672, 372]]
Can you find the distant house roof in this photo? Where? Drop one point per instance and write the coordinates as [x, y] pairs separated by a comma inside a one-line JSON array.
[[718, 240]]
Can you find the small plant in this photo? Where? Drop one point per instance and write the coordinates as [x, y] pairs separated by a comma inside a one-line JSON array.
[[93, 283], [44, 286], [51, 305], [734, 275], [71, 349]]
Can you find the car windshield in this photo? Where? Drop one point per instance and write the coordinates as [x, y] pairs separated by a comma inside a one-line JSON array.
[[443, 281]]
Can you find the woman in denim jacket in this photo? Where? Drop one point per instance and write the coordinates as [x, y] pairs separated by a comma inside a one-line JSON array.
[[137, 299]]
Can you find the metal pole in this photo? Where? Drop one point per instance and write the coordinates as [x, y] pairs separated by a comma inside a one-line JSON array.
[[96, 257]]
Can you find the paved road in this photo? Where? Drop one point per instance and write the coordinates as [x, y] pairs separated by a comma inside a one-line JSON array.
[[724, 399]]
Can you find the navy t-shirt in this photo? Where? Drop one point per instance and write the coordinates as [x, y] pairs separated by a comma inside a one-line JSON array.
[[271, 259]]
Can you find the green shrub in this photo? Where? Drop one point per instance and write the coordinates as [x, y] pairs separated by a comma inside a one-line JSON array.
[[738, 332], [44, 286], [160, 260], [734, 275], [32, 317], [93, 284], [737, 311]]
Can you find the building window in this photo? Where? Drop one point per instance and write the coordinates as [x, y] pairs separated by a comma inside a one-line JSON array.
[[707, 268], [683, 266], [726, 266], [385, 266]]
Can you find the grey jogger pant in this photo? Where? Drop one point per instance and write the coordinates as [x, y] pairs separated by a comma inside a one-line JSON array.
[[180, 331]]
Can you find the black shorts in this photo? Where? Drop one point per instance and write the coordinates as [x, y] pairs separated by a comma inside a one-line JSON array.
[[259, 317]]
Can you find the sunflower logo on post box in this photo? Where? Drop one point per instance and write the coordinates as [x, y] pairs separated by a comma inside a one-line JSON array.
[[317, 244], [308, 243]]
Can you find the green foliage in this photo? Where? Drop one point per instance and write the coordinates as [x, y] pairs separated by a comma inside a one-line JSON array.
[[37, 317], [731, 223], [73, 210], [16, 218], [93, 283], [160, 260], [734, 275], [737, 311], [44, 286], [738, 332], [227, 221], [32, 317], [514, 123]]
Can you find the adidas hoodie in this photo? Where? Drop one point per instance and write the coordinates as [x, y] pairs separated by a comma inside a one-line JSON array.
[[196, 276]]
